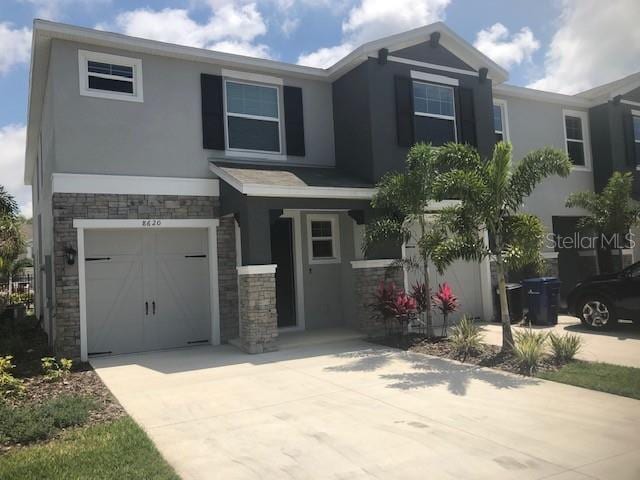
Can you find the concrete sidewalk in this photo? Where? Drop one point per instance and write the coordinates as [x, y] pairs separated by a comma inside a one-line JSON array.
[[346, 409], [620, 345]]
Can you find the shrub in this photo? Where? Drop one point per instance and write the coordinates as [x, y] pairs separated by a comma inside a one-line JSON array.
[[445, 301], [28, 423], [466, 337], [420, 294], [24, 424], [565, 347], [528, 350], [9, 385], [68, 410], [56, 370]]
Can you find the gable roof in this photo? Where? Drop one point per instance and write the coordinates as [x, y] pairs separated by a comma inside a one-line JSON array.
[[609, 90], [44, 31]]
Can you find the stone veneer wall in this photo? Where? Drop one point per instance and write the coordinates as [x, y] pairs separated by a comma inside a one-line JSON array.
[[228, 278], [70, 206], [366, 280], [258, 314]]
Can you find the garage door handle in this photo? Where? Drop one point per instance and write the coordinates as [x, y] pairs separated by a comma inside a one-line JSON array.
[[146, 308], [153, 305]]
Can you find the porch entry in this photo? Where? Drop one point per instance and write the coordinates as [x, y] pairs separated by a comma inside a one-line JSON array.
[[146, 289], [282, 255]]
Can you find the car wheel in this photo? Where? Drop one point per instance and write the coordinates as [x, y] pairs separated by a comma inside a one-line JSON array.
[[597, 313]]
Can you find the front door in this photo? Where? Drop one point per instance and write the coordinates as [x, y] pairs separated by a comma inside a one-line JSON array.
[[146, 289], [282, 255]]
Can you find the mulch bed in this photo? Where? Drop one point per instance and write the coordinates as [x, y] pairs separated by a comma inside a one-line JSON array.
[[83, 381], [29, 345], [487, 356]]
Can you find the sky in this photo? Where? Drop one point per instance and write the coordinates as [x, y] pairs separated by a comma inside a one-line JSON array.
[[557, 45]]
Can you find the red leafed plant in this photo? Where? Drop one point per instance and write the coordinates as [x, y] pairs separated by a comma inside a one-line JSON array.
[[385, 295], [445, 301], [392, 302], [420, 294]]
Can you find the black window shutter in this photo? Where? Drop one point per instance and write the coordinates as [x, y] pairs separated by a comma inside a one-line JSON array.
[[629, 139], [293, 120], [467, 117], [404, 111], [212, 112]]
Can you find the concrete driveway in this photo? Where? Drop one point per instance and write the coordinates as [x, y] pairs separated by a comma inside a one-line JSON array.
[[620, 345], [333, 407]]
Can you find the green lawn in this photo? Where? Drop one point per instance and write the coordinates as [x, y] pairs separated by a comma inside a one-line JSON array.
[[604, 377], [116, 450]]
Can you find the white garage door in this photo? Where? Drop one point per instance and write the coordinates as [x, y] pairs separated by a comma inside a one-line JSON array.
[[146, 289]]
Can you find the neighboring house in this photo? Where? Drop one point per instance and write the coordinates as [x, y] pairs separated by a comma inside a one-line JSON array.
[[186, 196]]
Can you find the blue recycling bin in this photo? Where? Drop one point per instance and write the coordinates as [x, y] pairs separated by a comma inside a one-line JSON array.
[[542, 299]]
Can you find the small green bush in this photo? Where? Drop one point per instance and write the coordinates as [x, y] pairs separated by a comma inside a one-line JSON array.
[[565, 347], [68, 410], [24, 424], [466, 337], [9, 385], [55, 370], [529, 350], [28, 423]]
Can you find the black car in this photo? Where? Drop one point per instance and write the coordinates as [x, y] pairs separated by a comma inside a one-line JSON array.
[[601, 300]]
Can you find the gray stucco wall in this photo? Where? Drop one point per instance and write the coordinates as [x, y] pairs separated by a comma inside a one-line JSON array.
[[163, 135], [610, 141], [537, 124], [365, 111]]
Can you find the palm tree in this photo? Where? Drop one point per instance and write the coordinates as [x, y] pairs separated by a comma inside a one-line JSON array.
[[11, 238], [402, 200], [490, 193], [611, 214]]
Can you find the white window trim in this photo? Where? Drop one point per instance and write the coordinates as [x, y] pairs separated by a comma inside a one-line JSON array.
[[335, 237], [586, 140], [434, 115], [84, 56], [243, 151], [635, 113], [505, 118]]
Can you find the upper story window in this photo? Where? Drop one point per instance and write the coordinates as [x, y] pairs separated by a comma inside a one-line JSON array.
[[500, 121], [434, 106], [253, 117], [576, 138], [323, 233], [110, 76]]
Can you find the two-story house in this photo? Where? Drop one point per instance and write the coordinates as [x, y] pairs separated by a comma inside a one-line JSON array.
[[186, 196]]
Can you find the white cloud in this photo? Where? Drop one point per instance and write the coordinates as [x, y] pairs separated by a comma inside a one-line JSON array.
[[372, 19], [594, 44], [12, 147], [378, 18], [325, 57], [15, 46], [231, 28], [504, 49], [53, 9]]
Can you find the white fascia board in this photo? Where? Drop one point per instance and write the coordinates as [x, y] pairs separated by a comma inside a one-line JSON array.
[[134, 185], [383, 263], [256, 269], [541, 96], [256, 190], [430, 77]]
